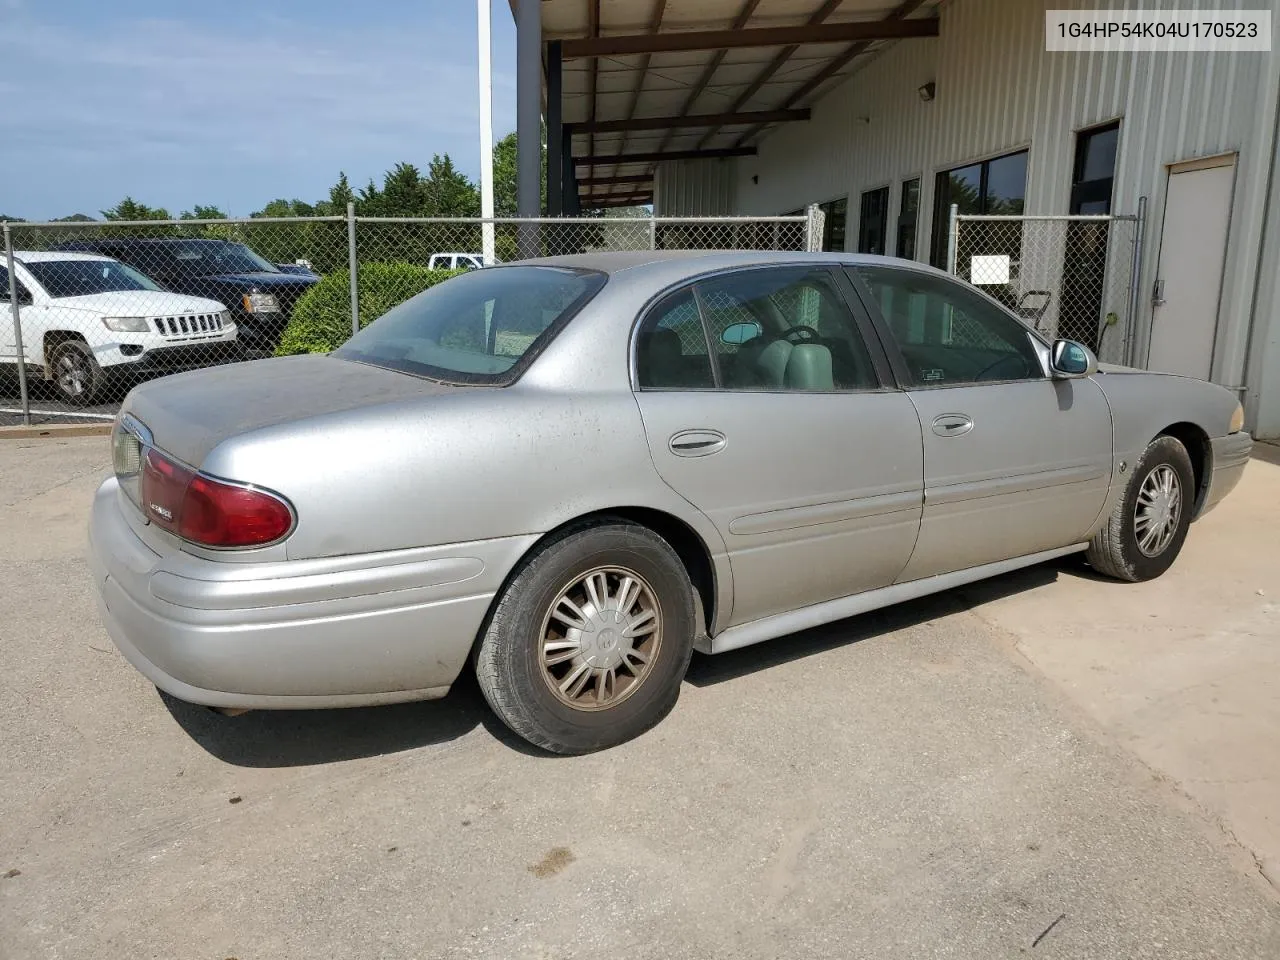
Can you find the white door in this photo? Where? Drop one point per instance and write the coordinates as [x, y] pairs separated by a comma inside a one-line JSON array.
[[1193, 250]]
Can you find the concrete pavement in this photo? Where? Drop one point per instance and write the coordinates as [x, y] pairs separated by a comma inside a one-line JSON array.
[[934, 780]]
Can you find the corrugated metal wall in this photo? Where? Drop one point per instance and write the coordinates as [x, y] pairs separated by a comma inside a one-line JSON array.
[[998, 90], [695, 188]]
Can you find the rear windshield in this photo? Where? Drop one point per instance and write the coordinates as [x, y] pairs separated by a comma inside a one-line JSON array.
[[480, 327], [79, 278]]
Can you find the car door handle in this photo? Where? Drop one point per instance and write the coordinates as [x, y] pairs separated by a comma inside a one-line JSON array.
[[952, 425], [696, 443]]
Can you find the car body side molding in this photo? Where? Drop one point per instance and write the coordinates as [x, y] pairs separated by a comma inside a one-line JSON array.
[[767, 628]]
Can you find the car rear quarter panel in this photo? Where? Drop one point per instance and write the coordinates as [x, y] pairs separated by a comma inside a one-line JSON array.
[[477, 464]]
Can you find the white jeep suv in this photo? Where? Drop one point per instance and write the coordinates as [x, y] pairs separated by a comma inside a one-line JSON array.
[[88, 318]]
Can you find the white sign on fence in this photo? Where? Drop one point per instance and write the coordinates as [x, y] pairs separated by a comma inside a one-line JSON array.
[[989, 269]]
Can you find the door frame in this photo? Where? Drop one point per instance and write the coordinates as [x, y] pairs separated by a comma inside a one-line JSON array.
[[1228, 158]]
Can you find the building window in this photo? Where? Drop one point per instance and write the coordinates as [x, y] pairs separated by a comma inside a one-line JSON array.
[[873, 221], [836, 213], [908, 216], [997, 186], [1095, 169], [1084, 262]]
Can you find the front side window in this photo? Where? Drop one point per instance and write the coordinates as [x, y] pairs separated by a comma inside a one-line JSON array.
[[477, 327], [79, 278], [948, 334], [777, 329]]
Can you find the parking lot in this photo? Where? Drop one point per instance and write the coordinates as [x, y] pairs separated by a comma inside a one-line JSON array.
[[1047, 764]]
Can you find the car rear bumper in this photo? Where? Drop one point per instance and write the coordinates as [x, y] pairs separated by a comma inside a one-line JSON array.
[[1230, 454], [346, 631]]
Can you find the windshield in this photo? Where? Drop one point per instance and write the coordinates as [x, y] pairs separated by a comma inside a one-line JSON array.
[[207, 257], [477, 327], [78, 278]]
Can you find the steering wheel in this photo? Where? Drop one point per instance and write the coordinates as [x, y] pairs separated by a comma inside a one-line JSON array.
[[1007, 358], [801, 334]]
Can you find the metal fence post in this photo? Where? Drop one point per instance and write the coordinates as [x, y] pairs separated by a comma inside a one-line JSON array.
[[16, 313], [953, 232], [1135, 289], [351, 268], [653, 232]]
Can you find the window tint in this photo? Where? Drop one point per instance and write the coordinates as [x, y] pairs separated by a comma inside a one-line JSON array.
[[948, 334], [671, 349], [784, 329]]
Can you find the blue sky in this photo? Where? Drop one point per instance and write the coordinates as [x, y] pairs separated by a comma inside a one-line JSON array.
[[234, 102]]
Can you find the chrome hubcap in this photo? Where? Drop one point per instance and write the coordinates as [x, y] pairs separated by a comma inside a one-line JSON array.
[[1159, 508], [71, 375], [600, 638]]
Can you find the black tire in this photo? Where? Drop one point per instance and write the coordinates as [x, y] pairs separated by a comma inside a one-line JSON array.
[[509, 662], [76, 373], [1115, 550]]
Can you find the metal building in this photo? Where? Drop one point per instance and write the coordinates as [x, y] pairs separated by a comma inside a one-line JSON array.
[[887, 114]]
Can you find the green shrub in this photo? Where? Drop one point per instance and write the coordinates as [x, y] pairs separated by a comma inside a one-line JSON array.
[[321, 318]]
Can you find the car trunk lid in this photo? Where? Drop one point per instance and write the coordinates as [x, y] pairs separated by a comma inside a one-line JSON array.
[[191, 413]]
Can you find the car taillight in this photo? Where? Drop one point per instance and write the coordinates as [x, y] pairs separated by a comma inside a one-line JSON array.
[[210, 512]]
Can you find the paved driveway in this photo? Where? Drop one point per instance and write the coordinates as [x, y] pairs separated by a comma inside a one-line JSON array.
[[969, 776]]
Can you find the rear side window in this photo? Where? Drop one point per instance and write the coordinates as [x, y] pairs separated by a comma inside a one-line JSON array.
[[671, 348], [485, 326]]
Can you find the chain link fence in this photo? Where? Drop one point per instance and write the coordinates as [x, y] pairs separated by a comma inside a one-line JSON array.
[[1071, 277], [88, 309]]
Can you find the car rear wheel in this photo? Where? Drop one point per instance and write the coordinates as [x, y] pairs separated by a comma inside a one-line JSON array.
[[76, 373], [1148, 525], [590, 640]]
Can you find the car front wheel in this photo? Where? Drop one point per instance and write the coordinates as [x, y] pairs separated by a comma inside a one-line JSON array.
[[76, 372], [1148, 525], [590, 640]]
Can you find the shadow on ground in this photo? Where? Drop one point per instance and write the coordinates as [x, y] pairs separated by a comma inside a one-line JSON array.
[[707, 670], [296, 738], [291, 738]]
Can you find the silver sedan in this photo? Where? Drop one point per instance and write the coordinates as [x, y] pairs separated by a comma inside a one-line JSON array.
[[569, 474]]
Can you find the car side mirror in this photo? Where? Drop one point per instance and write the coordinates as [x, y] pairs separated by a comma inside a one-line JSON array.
[[24, 296], [1070, 359], [740, 333]]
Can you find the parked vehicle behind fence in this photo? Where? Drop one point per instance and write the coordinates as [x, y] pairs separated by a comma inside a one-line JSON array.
[[570, 473], [86, 320], [456, 261], [259, 294]]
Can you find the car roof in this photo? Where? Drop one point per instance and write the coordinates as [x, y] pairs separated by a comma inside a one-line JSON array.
[[142, 241], [695, 262], [40, 256]]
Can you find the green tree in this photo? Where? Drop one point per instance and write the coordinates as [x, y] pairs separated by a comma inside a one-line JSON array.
[[5, 216], [505, 177], [130, 209], [340, 194], [287, 208], [447, 192], [203, 213], [75, 218], [403, 192]]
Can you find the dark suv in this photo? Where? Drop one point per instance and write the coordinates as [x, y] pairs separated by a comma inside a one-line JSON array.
[[259, 294]]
